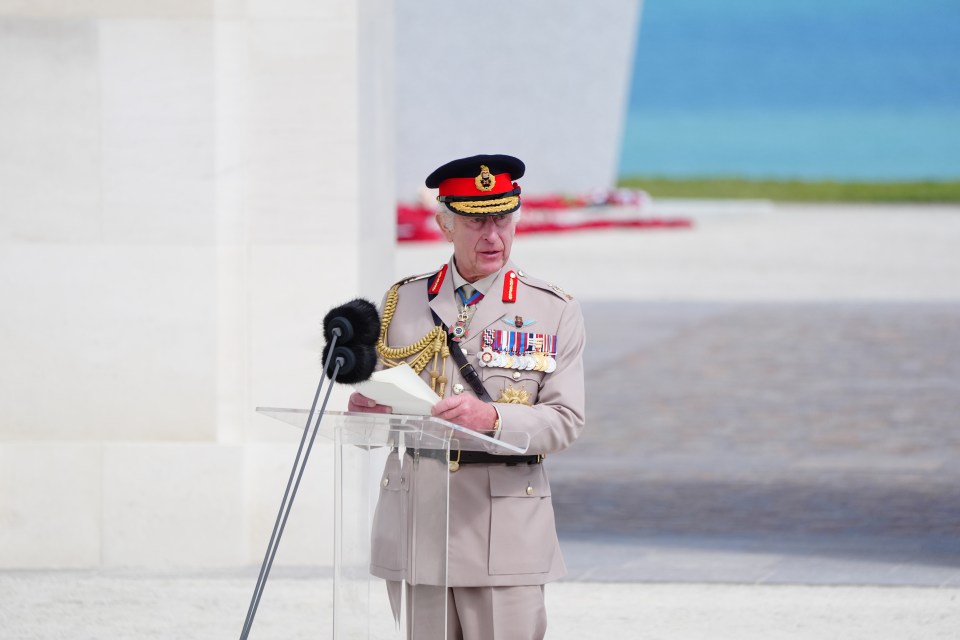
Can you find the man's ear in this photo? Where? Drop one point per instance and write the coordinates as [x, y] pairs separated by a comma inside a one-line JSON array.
[[446, 232]]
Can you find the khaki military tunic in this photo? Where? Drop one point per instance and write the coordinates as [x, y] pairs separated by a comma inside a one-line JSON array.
[[501, 526]]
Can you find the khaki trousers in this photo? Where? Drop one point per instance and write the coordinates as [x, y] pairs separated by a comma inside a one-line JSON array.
[[476, 613]]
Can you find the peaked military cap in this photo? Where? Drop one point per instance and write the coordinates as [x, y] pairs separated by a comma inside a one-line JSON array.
[[479, 185]]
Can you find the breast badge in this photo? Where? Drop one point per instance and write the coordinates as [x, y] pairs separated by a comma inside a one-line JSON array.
[[516, 321], [514, 396]]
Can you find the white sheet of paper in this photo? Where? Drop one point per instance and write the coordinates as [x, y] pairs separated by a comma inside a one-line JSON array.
[[400, 388]]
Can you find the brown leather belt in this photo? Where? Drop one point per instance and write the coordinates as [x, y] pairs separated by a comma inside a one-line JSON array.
[[478, 457]]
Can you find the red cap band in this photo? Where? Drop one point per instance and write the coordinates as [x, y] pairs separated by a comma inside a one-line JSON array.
[[468, 186]]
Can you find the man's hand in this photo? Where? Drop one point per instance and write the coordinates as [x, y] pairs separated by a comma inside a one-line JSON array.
[[363, 404], [466, 411]]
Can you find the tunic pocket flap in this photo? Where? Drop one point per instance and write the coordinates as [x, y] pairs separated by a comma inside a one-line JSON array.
[[521, 481]]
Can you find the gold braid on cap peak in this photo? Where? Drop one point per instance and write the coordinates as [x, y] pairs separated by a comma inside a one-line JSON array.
[[486, 206], [424, 350]]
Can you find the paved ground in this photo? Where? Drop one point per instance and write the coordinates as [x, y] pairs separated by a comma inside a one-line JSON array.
[[810, 443], [82, 606], [772, 449]]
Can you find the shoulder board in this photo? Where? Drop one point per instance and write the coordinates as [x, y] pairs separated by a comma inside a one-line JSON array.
[[415, 278], [542, 284]]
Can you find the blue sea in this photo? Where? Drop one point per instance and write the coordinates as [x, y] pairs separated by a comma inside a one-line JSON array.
[[819, 89]]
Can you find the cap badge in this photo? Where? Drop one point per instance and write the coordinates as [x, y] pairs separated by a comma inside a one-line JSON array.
[[486, 180]]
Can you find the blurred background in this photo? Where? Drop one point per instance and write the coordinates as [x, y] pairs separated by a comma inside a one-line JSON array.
[[756, 203], [846, 91]]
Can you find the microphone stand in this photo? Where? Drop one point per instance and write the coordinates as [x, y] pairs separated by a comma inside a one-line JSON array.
[[285, 504]]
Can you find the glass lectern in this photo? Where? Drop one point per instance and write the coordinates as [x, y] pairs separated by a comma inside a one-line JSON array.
[[391, 482]]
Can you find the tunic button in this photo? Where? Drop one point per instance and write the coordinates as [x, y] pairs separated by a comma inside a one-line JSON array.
[[516, 375], [457, 389], [529, 490], [385, 482]]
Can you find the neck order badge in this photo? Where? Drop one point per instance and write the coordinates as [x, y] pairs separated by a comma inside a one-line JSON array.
[[468, 297]]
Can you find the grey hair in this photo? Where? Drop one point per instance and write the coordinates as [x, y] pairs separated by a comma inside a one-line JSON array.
[[447, 217]]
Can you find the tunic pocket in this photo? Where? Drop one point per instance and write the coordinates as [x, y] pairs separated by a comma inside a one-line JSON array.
[[388, 543], [519, 387], [523, 531]]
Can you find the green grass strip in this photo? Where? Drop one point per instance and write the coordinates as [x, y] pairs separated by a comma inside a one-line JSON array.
[[795, 190]]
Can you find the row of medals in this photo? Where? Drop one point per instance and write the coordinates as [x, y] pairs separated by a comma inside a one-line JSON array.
[[533, 361]]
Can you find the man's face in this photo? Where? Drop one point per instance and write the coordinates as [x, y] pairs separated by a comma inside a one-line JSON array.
[[481, 245]]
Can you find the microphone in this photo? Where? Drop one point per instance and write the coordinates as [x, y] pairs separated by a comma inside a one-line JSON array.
[[349, 356], [351, 330], [356, 362], [357, 320]]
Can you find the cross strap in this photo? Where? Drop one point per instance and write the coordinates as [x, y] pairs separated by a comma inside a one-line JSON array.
[[467, 370]]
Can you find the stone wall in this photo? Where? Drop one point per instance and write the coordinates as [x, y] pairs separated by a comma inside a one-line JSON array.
[[181, 204]]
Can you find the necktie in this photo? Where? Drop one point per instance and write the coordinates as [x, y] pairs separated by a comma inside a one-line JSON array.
[[467, 297]]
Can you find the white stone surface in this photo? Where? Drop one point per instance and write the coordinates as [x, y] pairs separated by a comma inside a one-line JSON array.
[[158, 137], [53, 605], [49, 169], [308, 534], [50, 506], [181, 203], [285, 324], [115, 8], [544, 80], [300, 158], [747, 612], [107, 342], [172, 505]]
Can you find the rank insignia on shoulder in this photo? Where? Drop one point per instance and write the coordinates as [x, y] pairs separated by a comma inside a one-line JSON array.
[[561, 292], [510, 286], [516, 321], [420, 276], [437, 281]]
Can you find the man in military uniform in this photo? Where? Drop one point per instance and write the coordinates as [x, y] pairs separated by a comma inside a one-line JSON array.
[[522, 342]]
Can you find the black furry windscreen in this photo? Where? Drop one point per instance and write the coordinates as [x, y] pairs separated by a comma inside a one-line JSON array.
[[359, 361], [358, 318]]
